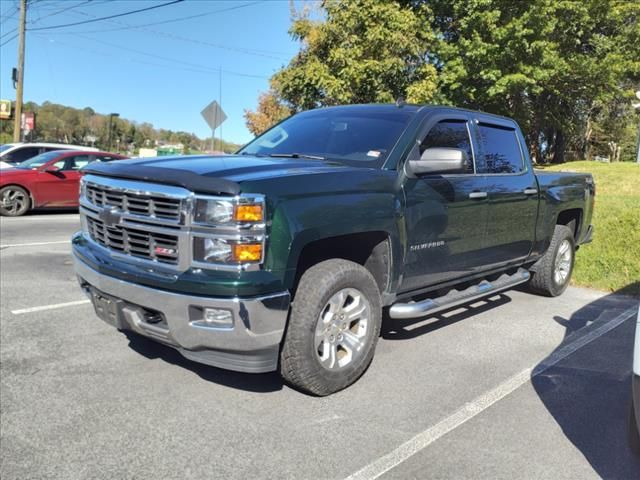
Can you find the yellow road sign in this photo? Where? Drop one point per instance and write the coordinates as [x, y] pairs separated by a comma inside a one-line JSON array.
[[5, 109]]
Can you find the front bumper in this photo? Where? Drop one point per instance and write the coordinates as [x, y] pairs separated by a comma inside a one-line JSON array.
[[251, 345]]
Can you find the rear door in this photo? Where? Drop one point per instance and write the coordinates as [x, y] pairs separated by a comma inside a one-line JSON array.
[[512, 189], [445, 215]]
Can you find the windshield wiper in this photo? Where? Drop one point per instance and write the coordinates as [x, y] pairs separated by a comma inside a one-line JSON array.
[[296, 155]]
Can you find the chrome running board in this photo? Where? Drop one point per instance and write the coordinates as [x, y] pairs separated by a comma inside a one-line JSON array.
[[458, 297]]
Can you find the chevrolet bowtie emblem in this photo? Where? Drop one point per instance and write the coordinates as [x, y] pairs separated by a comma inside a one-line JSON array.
[[110, 217]]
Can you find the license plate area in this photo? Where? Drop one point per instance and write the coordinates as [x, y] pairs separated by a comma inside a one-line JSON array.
[[107, 307]]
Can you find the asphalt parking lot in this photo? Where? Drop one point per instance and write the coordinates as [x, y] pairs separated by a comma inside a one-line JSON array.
[[514, 387]]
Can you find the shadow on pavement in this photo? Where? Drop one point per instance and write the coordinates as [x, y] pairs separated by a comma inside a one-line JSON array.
[[264, 382], [393, 329], [589, 392], [50, 211]]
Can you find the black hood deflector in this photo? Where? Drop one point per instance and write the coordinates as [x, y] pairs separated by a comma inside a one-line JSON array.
[[168, 176]]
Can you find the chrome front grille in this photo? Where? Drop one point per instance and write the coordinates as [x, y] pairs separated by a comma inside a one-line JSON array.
[[134, 203], [151, 225], [133, 241]]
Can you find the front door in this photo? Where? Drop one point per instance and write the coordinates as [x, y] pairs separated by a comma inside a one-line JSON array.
[[62, 187], [445, 215]]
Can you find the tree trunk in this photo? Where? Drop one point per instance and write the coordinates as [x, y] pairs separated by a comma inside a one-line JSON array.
[[559, 147], [587, 139]]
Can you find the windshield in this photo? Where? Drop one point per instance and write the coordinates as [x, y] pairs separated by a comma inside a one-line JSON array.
[[350, 135], [6, 146], [38, 160]]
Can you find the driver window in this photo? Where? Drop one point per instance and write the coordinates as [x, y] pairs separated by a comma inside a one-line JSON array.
[[450, 134], [77, 162]]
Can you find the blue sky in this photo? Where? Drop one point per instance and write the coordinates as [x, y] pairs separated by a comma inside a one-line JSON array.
[[164, 74]]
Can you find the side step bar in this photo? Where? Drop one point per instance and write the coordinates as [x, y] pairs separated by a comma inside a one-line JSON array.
[[456, 297]]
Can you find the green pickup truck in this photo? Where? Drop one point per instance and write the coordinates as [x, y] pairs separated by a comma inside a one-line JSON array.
[[287, 255]]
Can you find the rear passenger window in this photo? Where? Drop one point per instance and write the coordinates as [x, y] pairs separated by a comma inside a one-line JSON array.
[[450, 134], [500, 150]]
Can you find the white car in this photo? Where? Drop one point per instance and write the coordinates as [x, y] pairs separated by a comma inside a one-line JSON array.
[[635, 406], [12, 154]]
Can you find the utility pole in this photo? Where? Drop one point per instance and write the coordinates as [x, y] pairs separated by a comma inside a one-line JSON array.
[[17, 127]]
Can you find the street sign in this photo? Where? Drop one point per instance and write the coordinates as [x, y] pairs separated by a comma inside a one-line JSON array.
[[28, 122], [213, 115], [5, 109]]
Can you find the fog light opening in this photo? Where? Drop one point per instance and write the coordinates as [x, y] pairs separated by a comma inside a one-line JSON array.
[[217, 317]]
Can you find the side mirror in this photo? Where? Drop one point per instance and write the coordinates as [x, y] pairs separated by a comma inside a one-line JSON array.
[[51, 169], [438, 160]]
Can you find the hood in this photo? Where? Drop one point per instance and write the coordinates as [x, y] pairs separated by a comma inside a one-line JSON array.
[[5, 165], [209, 174]]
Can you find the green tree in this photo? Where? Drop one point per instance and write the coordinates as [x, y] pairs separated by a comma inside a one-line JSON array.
[[362, 51], [556, 66], [547, 63]]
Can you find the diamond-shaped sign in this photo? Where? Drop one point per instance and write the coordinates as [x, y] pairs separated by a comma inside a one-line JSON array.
[[213, 115]]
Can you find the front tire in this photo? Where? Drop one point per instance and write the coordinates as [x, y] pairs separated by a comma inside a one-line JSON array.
[[333, 327], [14, 201], [551, 275]]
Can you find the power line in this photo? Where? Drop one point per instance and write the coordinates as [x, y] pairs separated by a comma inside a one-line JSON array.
[[246, 51], [9, 40], [10, 15], [201, 68], [172, 20], [58, 12], [51, 27]]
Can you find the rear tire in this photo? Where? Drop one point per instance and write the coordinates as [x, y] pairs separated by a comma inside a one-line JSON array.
[[551, 275], [333, 327], [14, 201]]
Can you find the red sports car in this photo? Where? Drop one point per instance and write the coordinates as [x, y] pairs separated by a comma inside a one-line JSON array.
[[50, 179]]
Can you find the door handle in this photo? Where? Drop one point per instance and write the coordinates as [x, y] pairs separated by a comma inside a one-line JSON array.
[[476, 195], [530, 191]]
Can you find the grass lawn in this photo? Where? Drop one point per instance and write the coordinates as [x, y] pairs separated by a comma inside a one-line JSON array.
[[612, 261]]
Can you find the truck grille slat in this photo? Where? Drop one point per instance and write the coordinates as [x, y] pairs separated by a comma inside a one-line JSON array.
[[149, 245], [133, 203]]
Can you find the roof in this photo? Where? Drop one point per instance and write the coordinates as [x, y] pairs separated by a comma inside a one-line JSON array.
[[62, 146], [380, 107]]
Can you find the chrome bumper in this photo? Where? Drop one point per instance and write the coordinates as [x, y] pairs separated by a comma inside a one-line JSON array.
[[251, 345]]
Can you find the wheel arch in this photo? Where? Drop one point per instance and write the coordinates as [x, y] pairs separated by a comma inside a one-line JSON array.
[[371, 249], [571, 218]]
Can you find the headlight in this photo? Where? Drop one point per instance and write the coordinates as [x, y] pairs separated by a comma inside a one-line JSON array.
[[218, 250], [218, 212], [213, 212], [229, 232], [83, 187]]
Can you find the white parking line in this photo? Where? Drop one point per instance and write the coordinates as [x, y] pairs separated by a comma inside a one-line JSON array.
[[34, 244], [49, 307], [481, 403]]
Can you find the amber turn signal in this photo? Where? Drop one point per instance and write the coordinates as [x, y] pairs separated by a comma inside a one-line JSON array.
[[247, 252], [248, 213]]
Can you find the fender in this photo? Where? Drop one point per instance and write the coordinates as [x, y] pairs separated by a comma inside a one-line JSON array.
[[301, 221]]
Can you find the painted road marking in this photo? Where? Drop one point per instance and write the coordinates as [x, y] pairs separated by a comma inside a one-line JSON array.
[[481, 403], [34, 244], [49, 307]]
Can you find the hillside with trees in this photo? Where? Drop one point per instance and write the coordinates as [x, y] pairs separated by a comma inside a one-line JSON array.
[[62, 124], [565, 70]]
